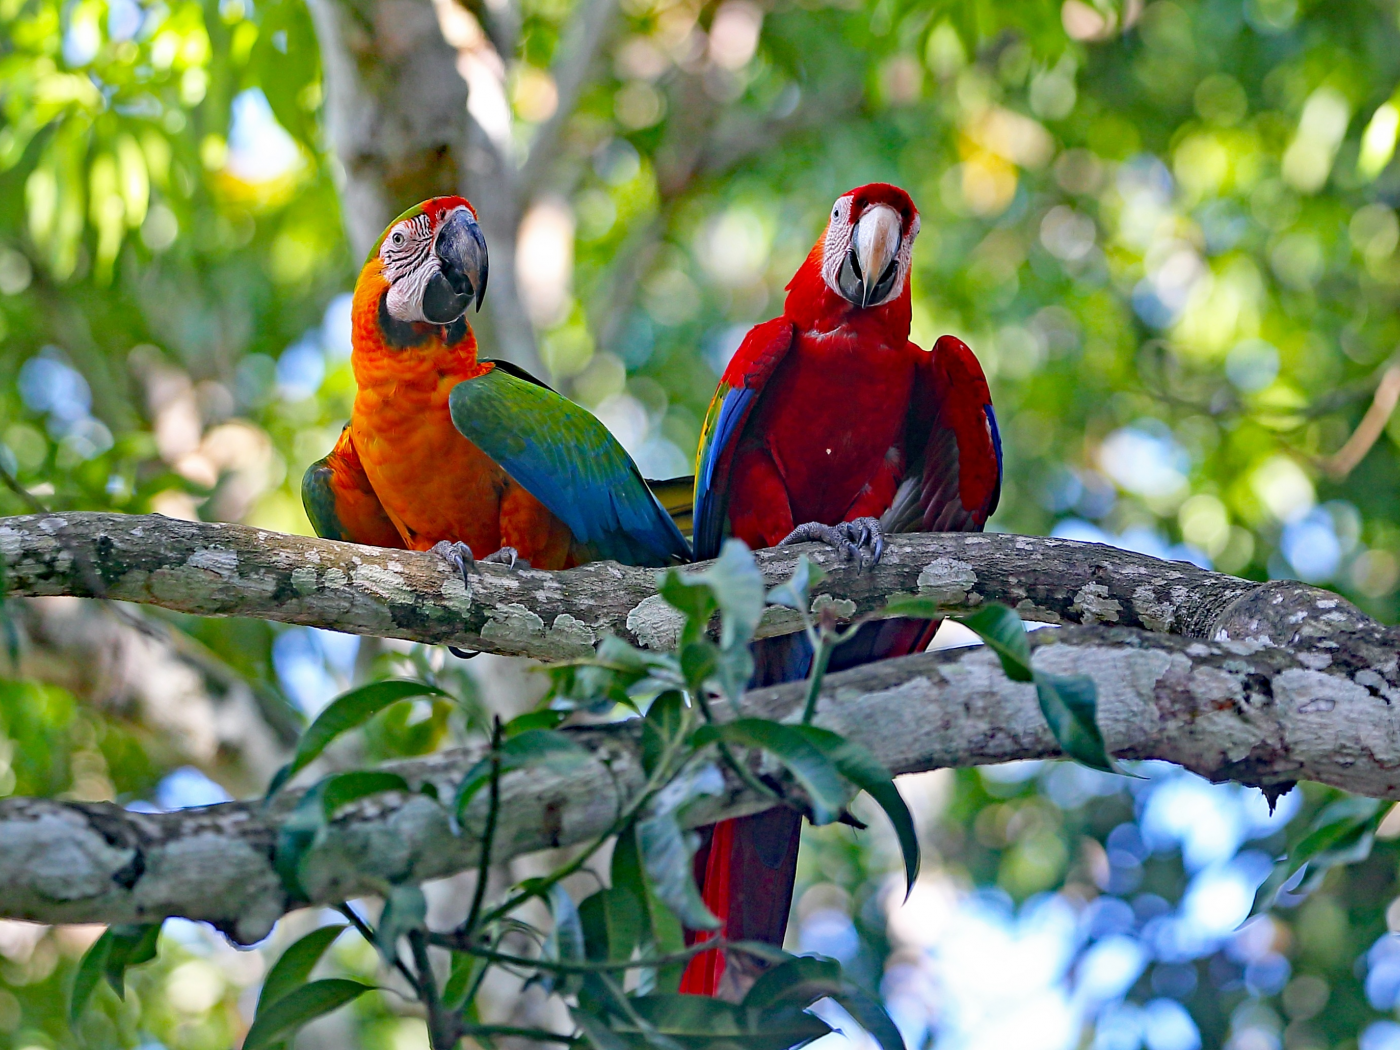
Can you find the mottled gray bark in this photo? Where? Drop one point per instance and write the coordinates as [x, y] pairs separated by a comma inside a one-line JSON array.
[[233, 570], [1261, 683]]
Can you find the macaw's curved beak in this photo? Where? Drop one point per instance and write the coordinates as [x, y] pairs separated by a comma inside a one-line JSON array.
[[462, 269], [868, 272]]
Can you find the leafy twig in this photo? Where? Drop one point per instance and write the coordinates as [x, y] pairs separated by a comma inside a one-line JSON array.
[[364, 930], [660, 776], [488, 834]]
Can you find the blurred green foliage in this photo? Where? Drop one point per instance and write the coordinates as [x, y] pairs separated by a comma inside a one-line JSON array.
[[1169, 232]]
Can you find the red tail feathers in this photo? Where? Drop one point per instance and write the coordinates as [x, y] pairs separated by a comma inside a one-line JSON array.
[[702, 975]]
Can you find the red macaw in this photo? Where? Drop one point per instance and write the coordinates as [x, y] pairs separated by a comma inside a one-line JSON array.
[[465, 456], [829, 424]]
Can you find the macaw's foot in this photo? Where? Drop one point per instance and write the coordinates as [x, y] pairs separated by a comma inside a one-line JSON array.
[[460, 557], [509, 557], [862, 539]]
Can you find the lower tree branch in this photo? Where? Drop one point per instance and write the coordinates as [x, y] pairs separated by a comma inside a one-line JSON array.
[[1242, 707]]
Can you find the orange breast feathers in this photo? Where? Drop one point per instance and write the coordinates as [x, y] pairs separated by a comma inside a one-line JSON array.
[[361, 515], [434, 483]]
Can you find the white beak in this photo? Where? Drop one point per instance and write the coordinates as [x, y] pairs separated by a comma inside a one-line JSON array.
[[877, 241]]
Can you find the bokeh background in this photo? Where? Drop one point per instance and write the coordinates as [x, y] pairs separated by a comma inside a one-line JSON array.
[[1167, 229]]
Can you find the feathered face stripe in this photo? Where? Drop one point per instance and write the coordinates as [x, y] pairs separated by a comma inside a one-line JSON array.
[[409, 263]]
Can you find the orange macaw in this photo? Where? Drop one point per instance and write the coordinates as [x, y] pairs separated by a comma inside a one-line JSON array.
[[469, 457]]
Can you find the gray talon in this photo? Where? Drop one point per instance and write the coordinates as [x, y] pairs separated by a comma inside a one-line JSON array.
[[460, 557], [507, 556], [862, 540]]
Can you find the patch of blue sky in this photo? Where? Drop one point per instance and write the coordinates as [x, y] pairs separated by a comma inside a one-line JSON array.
[[259, 149], [313, 665]]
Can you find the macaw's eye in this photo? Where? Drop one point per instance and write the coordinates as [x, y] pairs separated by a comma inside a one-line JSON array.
[[398, 238]]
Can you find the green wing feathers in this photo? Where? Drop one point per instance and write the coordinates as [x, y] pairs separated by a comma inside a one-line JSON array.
[[566, 458]]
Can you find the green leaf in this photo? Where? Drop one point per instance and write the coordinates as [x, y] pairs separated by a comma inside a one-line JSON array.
[[1005, 635], [666, 850], [611, 677], [795, 592], [531, 747], [668, 937], [296, 835], [734, 670], [295, 1009], [120, 946], [626, 869], [698, 1021], [732, 585], [699, 661], [90, 969], [694, 601], [460, 979], [916, 608], [812, 768], [1342, 833], [596, 1031], [344, 713], [738, 588], [340, 789], [293, 968], [565, 942], [665, 720], [870, 1015], [612, 923], [285, 72], [548, 718], [405, 910], [1070, 703], [868, 773], [801, 982], [132, 944], [567, 934]]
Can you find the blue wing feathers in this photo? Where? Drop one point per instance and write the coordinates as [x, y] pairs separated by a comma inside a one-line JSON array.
[[709, 501], [996, 444], [754, 362]]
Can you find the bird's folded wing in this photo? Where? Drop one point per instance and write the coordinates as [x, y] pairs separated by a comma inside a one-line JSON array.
[[566, 458], [953, 445], [734, 400]]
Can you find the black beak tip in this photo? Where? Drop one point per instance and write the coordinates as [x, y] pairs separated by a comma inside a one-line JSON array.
[[462, 257]]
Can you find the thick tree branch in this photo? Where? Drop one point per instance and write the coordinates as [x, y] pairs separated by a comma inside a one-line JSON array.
[[233, 570], [1236, 708]]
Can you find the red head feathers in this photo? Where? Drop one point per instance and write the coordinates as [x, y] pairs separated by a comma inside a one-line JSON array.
[[861, 263], [433, 257]]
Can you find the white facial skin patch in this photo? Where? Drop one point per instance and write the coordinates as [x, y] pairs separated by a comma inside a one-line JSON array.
[[409, 263], [877, 236]]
